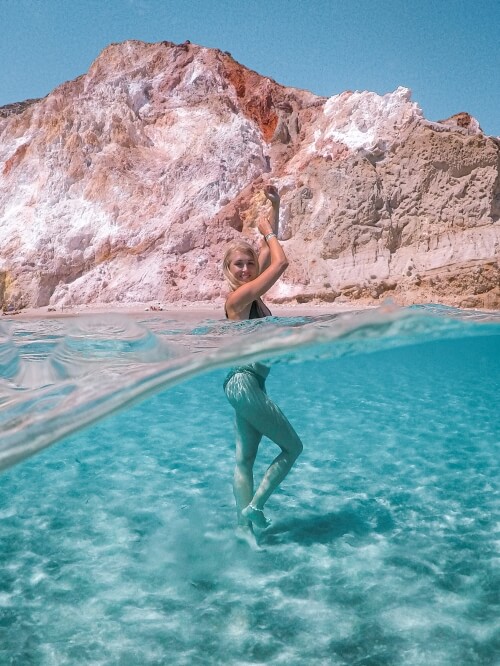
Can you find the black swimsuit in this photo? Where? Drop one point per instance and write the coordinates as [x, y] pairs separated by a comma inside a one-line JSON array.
[[258, 310], [258, 370]]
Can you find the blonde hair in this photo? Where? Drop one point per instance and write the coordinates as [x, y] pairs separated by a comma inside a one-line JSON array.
[[237, 246]]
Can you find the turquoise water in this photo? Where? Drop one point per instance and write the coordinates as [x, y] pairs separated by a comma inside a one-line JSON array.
[[117, 542]]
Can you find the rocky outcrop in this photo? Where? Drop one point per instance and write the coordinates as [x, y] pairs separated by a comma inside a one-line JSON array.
[[125, 185]]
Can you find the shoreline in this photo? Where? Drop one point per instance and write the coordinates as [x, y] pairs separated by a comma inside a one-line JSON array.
[[199, 311], [183, 311]]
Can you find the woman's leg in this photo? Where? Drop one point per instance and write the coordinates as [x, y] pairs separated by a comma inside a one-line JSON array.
[[261, 416], [247, 443], [274, 425]]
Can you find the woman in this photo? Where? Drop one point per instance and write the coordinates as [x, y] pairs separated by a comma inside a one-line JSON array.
[[256, 415]]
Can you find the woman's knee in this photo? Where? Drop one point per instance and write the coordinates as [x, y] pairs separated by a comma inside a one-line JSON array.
[[296, 449], [292, 447]]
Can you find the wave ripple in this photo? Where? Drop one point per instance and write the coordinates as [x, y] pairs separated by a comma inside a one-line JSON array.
[[58, 376]]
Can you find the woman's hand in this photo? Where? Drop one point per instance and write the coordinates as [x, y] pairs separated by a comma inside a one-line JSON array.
[[272, 194], [264, 227]]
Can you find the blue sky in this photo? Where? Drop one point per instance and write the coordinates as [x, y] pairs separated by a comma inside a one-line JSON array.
[[446, 51]]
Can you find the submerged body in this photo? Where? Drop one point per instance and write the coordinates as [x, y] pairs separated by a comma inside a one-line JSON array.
[[258, 310], [256, 415]]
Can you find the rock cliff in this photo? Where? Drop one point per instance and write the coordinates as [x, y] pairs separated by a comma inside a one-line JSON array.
[[125, 185]]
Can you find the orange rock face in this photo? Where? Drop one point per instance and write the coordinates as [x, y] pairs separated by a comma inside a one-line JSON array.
[[125, 185]]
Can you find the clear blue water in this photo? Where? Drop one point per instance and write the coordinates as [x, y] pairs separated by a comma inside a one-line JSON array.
[[117, 542]]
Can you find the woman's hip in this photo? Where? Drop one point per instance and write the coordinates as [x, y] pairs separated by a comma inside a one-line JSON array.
[[243, 385]]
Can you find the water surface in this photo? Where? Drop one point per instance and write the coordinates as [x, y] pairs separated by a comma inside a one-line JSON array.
[[117, 539]]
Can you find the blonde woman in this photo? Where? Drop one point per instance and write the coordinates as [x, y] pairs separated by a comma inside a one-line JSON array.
[[249, 277]]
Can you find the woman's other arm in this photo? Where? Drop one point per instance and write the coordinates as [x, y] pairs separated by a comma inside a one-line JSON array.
[[264, 254]]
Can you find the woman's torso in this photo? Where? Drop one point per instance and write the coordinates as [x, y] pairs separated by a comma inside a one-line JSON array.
[[258, 310]]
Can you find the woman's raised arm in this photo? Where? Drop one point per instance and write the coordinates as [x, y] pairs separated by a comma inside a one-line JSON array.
[[244, 295], [264, 254]]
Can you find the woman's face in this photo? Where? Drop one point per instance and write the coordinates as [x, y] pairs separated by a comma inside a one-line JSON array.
[[243, 266]]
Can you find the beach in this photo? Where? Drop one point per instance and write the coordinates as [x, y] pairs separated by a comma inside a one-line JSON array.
[[183, 311]]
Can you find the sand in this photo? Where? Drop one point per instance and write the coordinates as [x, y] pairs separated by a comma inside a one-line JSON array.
[[181, 311]]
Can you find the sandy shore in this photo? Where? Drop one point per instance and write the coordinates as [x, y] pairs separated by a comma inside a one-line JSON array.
[[196, 312], [181, 311]]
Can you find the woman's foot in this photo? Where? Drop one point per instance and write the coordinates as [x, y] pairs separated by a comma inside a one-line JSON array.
[[256, 516], [244, 533]]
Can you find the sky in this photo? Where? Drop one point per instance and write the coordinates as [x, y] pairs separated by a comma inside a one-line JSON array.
[[446, 51]]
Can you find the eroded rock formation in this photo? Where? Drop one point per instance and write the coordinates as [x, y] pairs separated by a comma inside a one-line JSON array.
[[125, 184]]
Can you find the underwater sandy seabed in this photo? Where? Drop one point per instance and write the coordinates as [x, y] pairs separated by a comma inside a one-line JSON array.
[[117, 543]]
